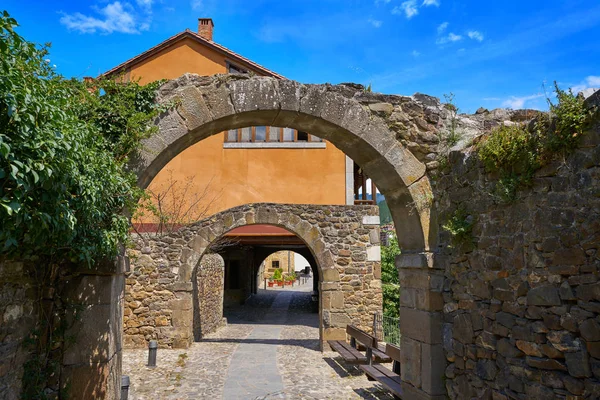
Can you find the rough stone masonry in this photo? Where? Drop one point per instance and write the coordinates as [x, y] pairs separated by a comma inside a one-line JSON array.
[[159, 297], [522, 301]]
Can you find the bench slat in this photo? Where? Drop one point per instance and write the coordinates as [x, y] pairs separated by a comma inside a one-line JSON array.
[[380, 357], [350, 355], [393, 351], [390, 382], [361, 336]]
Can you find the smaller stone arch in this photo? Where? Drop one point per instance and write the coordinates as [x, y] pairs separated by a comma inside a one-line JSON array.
[[344, 241]]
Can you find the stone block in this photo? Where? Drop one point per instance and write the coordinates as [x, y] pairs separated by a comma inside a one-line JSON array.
[[370, 220], [94, 380], [411, 361], [374, 253], [578, 364], [543, 296], [463, 328], [433, 366], [421, 325], [334, 334], [340, 320], [331, 275]]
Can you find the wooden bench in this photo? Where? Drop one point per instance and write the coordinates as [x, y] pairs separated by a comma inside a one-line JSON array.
[[389, 379], [351, 352], [379, 355]]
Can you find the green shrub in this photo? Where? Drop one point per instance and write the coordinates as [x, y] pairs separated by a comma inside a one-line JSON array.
[[571, 119], [515, 152], [390, 284], [460, 227], [64, 190], [277, 274]]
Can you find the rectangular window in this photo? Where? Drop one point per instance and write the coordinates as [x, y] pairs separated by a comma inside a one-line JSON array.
[[234, 69], [274, 134], [275, 264], [288, 135], [260, 134], [302, 137], [246, 134], [270, 137], [232, 135]]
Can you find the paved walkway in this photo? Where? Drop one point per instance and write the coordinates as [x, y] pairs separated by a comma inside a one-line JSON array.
[[268, 350], [253, 369]]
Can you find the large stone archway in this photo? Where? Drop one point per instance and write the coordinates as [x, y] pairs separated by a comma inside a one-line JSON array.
[[347, 259], [207, 105], [352, 121]]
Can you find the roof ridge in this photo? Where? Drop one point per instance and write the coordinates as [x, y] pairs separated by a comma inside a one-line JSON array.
[[187, 32]]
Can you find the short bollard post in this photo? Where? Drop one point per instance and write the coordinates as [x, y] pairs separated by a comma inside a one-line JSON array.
[[152, 349], [124, 387]]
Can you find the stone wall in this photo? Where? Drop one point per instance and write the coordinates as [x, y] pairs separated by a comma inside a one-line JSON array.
[[522, 301], [90, 298], [208, 295], [344, 240], [18, 317]]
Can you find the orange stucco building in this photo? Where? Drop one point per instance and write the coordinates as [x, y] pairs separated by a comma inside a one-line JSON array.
[[254, 164]]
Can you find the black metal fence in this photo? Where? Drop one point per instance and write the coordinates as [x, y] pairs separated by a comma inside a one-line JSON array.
[[386, 329]]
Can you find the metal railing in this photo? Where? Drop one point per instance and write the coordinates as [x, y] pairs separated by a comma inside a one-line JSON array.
[[386, 329]]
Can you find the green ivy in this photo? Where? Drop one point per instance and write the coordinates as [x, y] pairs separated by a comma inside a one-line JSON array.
[[390, 284], [64, 189]]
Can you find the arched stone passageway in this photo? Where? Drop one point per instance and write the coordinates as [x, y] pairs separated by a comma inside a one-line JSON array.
[[347, 260], [352, 121], [207, 105]]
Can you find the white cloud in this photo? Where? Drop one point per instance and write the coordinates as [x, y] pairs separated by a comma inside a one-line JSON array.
[[475, 35], [197, 4], [590, 82], [376, 23], [115, 17], [415, 53], [409, 8], [516, 102], [442, 27], [451, 38], [593, 81], [145, 3], [431, 3]]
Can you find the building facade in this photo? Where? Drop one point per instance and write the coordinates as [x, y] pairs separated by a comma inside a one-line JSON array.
[[246, 165]]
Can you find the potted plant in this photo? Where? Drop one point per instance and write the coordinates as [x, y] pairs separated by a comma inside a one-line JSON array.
[[277, 277], [270, 281]]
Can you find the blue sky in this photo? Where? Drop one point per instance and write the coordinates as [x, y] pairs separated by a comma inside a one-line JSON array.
[[488, 53]]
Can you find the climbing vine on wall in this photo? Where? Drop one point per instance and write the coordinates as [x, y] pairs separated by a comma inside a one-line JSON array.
[[64, 190], [63, 148]]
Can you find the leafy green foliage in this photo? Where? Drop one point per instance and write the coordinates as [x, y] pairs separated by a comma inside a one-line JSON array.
[[453, 135], [64, 191], [516, 152], [390, 284], [460, 227], [277, 274], [571, 117], [510, 149]]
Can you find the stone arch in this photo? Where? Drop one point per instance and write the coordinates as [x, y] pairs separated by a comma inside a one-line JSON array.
[[342, 115], [207, 105], [348, 266]]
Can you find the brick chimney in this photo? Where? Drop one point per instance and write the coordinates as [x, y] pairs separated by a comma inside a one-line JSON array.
[[205, 28]]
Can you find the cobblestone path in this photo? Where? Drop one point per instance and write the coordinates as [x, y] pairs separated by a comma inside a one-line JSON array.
[[268, 350]]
